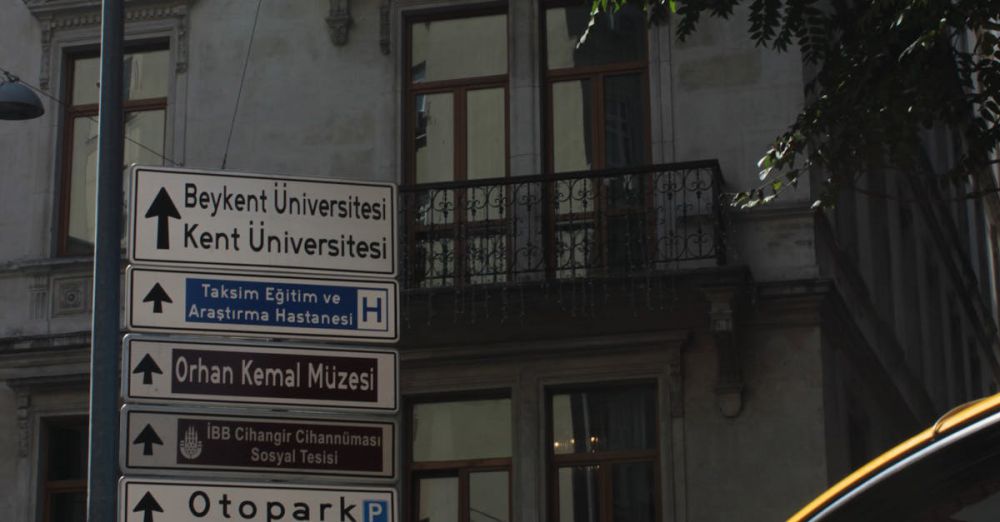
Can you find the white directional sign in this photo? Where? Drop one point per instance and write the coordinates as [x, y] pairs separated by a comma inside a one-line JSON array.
[[269, 306], [157, 370], [220, 219], [144, 500], [156, 439]]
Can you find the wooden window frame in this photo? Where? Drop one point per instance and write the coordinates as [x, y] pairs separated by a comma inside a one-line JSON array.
[[460, 469], [71, 112], [459, 89], [601, 212], [603, 459], [596, 74], [52, 487]]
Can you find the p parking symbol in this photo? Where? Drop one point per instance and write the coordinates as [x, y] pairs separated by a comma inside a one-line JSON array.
[[375, 511]]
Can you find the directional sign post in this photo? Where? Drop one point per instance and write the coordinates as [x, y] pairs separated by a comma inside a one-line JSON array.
[[170, 440], [142, 500], [157, 370], [269, 306], [243, 255], [217, 219]]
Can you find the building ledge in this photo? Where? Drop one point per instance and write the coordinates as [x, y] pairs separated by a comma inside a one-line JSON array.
[[45, 265], [549, 311], [44, 356]]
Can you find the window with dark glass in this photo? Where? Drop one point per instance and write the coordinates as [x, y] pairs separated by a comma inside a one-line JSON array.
[[64, 466], [145, 103], [604, 454], [457, 131], [460, 461], [598, 118]]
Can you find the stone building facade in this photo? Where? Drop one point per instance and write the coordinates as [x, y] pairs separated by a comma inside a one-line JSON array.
[[586, 333]]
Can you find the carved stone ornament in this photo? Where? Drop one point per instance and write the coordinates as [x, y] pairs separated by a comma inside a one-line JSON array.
[[181, 54], [384, 26], [71, 295], [23, 399], [675, 382], [39, 297], [61, 15], [729, 387], [339, 21]]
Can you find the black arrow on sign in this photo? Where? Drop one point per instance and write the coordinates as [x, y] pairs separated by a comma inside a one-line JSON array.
[[158, 296], [162, 209], [147, 504], [147, 367], [147, 437]]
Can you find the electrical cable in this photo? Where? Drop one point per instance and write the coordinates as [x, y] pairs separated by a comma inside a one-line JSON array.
[[10, 75], [239, 93]]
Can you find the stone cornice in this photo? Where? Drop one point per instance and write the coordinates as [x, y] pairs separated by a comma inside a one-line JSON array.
[[46, 266], [73, 13], [31, 385], [50, 356], [44, 342], [544, 348], [776, 210], [54, 364]]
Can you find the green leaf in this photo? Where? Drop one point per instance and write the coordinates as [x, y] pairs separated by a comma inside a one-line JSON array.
[[882, 69]]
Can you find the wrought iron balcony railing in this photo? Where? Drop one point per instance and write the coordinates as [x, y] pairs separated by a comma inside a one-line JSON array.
[[560, 226]]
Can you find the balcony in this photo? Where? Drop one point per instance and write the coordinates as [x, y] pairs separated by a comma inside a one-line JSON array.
[[561, 255], [557, 227]]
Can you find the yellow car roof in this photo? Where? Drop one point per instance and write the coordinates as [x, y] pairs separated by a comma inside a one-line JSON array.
[[953, 420]]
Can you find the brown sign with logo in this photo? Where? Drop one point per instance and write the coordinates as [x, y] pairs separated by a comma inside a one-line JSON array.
[[170, 440]]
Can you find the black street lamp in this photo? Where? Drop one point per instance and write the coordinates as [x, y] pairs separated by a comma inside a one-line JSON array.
[[17, 100]]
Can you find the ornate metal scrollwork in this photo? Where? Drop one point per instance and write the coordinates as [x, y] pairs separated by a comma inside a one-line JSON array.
[[562, 226]]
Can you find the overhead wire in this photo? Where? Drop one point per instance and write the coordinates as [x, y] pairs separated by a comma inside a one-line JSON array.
[[156, 153], [239, 92], [142, 146]]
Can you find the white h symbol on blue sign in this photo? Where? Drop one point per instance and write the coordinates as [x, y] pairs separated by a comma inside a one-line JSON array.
[[372, 312]]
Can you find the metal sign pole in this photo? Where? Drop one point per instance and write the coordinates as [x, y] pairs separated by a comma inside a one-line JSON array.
[[103, 471]]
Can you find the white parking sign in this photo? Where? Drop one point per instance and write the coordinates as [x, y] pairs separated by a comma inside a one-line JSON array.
[[143, 500]]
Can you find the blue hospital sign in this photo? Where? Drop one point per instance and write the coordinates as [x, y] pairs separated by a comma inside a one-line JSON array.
[[226, 303]]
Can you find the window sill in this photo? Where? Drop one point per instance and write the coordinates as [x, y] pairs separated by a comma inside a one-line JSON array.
[[48, 264]]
